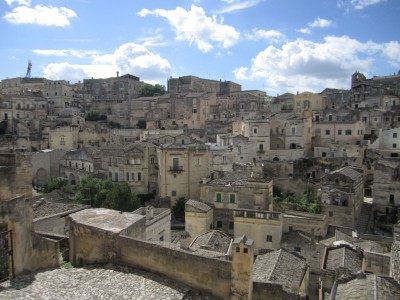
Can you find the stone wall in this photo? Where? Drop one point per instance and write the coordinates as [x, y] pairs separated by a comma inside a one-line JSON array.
[[15, 175], [313, 224], [203, 273], [30, 251]]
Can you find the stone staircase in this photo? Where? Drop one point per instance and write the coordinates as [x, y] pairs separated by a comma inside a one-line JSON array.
[[366, 216]]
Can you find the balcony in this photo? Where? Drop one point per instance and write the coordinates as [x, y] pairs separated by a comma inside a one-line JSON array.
[[176, 169], [260, 151]]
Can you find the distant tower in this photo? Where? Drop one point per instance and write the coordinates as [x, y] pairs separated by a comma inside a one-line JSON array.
[[28, 70]]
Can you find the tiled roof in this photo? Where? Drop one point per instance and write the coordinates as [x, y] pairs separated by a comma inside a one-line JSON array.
[[338, 236], [348, 172], [213, 240], [372, 287], [198, 205], [281, 267], [295, 237], [343, 256], [53, 203]]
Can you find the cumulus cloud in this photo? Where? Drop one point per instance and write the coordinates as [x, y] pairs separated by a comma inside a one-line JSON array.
[[40, 15], [308, 65], [128, 58], [236, 5], [194, 26], [273, 36], [317, 23], [392, 51], [358, 4]]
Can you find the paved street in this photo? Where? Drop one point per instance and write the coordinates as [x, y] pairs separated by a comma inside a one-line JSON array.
[[107, 282]]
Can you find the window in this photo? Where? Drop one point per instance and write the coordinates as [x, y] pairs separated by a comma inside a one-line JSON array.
[[394, 146], [323, 154], [331, 213], [139, 176], [127, 176], [330, 117], [269, 238], [255, 130], [173, 193], [391, 199], [195, 110], [261, 147], [198, 161], [219, 224], [237, 249], [327, 132], [133, 176], [231, 225], [152, 160], [245, 250], [218, 197], [339, 132], [395, 134], [116, 176], [293, 130], [232, 198], [347, 132], [297, 249]]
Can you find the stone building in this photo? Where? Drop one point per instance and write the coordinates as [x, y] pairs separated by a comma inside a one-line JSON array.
[[243, 189], [198, 217], [386, 186], [309, 101], [45, 166], [157, 224], [388, 143], [78, 164], [134, 163], [120, 88], [64, 138], [341, 193], [181, 170]]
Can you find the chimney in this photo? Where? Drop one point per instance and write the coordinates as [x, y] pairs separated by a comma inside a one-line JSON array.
[[117, 74], [149, 212]]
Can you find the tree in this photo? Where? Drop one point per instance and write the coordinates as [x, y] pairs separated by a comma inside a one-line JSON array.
[[149, 90], [178, 209], [54, 184], [121, 198], [93, 191], [107, 194]]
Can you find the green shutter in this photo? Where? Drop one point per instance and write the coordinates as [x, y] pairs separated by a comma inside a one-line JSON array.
[[232, 198], [219, 197]]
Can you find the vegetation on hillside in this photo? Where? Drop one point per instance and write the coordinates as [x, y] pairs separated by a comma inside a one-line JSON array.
[[149, 90], [107, 194]]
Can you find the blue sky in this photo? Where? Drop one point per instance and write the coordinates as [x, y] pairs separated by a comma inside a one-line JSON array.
[[273, 45]]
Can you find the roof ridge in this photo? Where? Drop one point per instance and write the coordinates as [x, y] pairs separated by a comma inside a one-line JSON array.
[[276, 263]]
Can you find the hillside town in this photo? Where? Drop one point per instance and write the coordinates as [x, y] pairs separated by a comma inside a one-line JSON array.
[[229, 193]]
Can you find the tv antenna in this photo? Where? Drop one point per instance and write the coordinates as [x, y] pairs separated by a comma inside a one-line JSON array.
[[28, 70]]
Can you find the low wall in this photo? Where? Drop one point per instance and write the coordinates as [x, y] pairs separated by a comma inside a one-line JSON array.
[[202, 273]]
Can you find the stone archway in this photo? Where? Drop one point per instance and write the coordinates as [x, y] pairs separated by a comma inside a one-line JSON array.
[[71, 179], [41, 177]]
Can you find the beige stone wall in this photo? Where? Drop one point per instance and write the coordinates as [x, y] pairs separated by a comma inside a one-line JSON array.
[[197, 223], [15, 175], [203, 273], [258, 230], [64, 138], [30, 251], [306, 223]]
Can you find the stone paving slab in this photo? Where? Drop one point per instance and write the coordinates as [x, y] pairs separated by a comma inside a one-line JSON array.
[[95, 282]]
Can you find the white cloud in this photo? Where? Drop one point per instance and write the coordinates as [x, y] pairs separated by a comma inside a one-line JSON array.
[[358, 4], [392, 51], [19, 2], [235, 5], [41, 15], [321, 23], [305, 30], [128, 58], [307, 65], [317, 23], [273, 36], [195, 26], [64, 52]]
